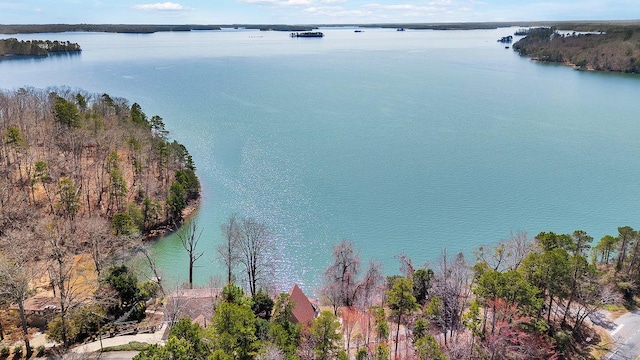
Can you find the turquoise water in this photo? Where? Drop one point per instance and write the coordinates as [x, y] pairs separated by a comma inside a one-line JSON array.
[[400, 142]]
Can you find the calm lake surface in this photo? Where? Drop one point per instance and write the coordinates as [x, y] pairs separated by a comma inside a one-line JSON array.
[[401, 142]]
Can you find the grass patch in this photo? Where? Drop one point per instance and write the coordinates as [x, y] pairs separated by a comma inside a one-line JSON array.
[[615, 308], [132, 346]]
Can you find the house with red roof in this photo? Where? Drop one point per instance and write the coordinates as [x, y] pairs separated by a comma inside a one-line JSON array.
[[303, 311]]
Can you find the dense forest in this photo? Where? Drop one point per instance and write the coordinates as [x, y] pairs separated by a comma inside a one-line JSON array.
[[83, 177], [12, 46], [610, 48]]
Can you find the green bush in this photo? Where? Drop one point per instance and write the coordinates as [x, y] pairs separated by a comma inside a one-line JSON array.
[[40, 351], [148, 289], [139, 313], [4, 352], [563, 339], [362, 354], [125, 282], [17, 351], [82, 322]]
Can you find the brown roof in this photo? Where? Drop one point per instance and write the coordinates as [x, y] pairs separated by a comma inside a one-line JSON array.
[[41, 303], [303, 312], [194, 304]]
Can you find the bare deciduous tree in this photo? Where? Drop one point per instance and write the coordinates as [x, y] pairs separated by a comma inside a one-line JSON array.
[[340, 278], [368, 289], [17, 271], [189, 236], [97, 234], [451, 286], [228, 252], [506, 254], [61, 247], [256, 250], [151, 259]]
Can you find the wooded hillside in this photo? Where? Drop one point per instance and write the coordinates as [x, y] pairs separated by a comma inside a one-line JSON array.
[[82, 178], [617, 48], [69, 155]]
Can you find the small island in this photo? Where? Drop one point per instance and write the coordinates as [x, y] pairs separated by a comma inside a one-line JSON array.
[[307, 34], [15, 47]]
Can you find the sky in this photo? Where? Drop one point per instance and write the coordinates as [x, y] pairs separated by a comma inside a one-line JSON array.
[[309, 11]]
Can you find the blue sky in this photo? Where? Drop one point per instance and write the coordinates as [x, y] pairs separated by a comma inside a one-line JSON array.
[[309, 11]]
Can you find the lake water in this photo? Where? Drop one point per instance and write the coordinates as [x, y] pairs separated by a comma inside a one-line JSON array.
[[401, 142]]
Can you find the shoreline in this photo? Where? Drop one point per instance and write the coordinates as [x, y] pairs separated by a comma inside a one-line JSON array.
[[187, 214]]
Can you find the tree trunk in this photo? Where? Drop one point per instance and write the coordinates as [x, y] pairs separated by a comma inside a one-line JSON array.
[[25, 329], [397, 336], [190, 270]]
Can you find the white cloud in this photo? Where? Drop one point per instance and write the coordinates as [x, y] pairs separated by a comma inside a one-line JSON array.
[[280, 2], [332, 1], [442, 3], [165, 6], [436, 10], [401, 7], [296, 2], [258, 1], [337, 11]]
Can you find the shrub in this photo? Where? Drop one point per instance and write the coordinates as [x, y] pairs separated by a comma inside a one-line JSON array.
[[40, 351], [4, 352], [563, 339], [148, 289], [17, 351], [362, 354]]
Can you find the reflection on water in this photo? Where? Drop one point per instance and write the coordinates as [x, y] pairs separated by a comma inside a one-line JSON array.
[[57, 55]]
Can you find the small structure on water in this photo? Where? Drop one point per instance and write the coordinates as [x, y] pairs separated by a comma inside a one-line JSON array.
[[307, 34], [506, 39]]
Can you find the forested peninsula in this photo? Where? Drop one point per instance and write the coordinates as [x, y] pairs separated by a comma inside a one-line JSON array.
[[84, 177], [69, 155], [603, 48], [15, 47]]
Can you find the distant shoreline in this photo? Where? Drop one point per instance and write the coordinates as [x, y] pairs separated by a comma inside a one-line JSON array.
[[151, 28]]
